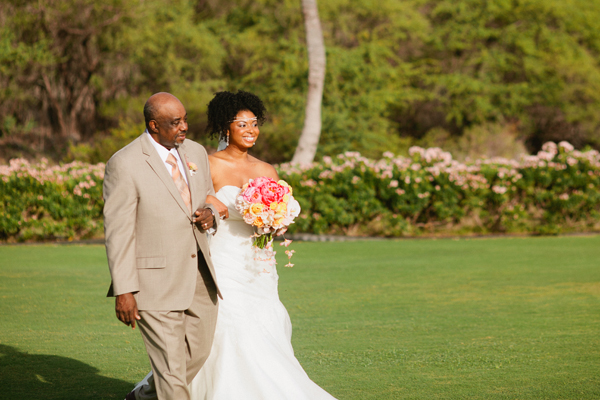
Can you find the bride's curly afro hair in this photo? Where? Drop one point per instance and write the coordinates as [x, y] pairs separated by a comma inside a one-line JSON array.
[[223, 108]]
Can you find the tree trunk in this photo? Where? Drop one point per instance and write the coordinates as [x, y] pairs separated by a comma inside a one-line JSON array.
[[309, 139]]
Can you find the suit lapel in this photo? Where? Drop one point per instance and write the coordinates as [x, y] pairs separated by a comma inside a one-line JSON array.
[[158, 166]]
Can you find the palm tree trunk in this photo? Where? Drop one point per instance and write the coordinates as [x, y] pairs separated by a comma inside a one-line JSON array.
[[309, 139]]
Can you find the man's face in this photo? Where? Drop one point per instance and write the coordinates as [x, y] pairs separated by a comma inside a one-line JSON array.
[[170, 126]]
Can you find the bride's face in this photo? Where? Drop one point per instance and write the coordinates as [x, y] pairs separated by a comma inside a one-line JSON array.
[[243, 130]]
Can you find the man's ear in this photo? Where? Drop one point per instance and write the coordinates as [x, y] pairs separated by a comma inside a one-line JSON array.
[[153, 126]]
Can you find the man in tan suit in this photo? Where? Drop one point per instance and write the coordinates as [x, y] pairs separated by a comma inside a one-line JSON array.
[[158, 255]]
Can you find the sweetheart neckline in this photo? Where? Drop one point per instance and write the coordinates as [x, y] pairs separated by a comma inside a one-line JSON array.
[[224, 186]]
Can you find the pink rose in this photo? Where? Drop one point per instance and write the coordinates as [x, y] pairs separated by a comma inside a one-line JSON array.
[[271, 192], [260, 181], [283, 190], [252, 195], [280, 191]]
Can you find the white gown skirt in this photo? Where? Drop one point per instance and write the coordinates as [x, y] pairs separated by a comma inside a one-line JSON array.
[[252, 356]]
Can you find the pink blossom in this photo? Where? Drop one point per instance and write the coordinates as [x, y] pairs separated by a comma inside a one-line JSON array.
[[270, 191], [543, 155], [286, 242], [326, 174], [252, 195], [566, 145], [416, 150], [386, 174], [550, 147], [260, 181], [249, 218], [499, 189]]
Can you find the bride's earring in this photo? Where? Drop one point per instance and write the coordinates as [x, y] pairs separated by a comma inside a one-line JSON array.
[[227, 140]]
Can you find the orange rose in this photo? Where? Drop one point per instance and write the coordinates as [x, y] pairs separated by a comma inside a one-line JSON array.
[[258, 222], [256, 208]]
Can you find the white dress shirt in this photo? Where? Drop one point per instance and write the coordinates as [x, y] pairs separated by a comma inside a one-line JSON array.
[[163, 153]]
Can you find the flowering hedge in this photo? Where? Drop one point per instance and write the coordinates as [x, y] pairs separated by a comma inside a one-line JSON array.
[[557, 190], [38, 202]]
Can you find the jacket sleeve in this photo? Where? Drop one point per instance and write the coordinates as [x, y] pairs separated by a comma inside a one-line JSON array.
[[120, 209]]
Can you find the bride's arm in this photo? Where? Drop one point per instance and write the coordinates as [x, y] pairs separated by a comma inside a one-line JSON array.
[[221, 208]]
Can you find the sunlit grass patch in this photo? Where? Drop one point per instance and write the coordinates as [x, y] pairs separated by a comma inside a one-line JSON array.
[[413, 319]]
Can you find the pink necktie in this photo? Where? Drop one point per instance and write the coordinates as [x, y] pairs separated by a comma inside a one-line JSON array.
[[183, 188]]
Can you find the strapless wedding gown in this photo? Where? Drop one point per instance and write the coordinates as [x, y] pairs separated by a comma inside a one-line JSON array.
[[252, 356]]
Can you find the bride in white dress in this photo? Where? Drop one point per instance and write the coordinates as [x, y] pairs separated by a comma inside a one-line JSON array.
[[252, 356]]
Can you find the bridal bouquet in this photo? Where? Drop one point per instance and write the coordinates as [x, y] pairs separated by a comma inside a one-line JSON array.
[[269, 206]]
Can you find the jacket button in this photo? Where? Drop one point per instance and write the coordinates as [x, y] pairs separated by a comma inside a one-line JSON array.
[[193, 256]]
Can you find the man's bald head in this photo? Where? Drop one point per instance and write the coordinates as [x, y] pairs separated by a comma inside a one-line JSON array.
[[154, 103], [166, 119]]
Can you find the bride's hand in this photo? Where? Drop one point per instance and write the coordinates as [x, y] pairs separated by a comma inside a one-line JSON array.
[[221, 208]]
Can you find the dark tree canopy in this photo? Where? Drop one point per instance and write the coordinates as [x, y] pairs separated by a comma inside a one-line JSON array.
[[74, 74]]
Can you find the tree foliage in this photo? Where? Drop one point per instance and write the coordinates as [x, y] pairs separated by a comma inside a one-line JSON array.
[[56, 63], [75, 73]]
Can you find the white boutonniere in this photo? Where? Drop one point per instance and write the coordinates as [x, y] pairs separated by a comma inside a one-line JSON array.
[[193, 168]]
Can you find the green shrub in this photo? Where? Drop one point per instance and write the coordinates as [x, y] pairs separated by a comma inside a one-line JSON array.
[[38, 202], [555, 191]]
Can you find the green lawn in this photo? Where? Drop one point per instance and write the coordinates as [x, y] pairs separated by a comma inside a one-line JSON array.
[[509, 318]]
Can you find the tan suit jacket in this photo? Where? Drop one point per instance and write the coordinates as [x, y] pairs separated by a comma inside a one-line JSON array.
[[151, 243]]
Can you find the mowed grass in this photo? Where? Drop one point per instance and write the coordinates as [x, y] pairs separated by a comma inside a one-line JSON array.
[[502, 318]]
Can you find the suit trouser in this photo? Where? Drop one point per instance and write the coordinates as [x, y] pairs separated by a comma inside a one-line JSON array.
[[179, 342]]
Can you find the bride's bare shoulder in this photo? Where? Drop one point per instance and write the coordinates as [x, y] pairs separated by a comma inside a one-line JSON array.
[[216, 157], [218, 161], [265, 169]]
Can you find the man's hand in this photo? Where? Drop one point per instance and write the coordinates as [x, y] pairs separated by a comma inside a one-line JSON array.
[[126, 308], [221, 208], [204, 218]]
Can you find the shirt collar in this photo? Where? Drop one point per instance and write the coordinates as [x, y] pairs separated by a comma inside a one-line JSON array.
[[163, 152]]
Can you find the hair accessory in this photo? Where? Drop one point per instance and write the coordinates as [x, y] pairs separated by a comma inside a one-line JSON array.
[[245, 119], [223, 142]]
